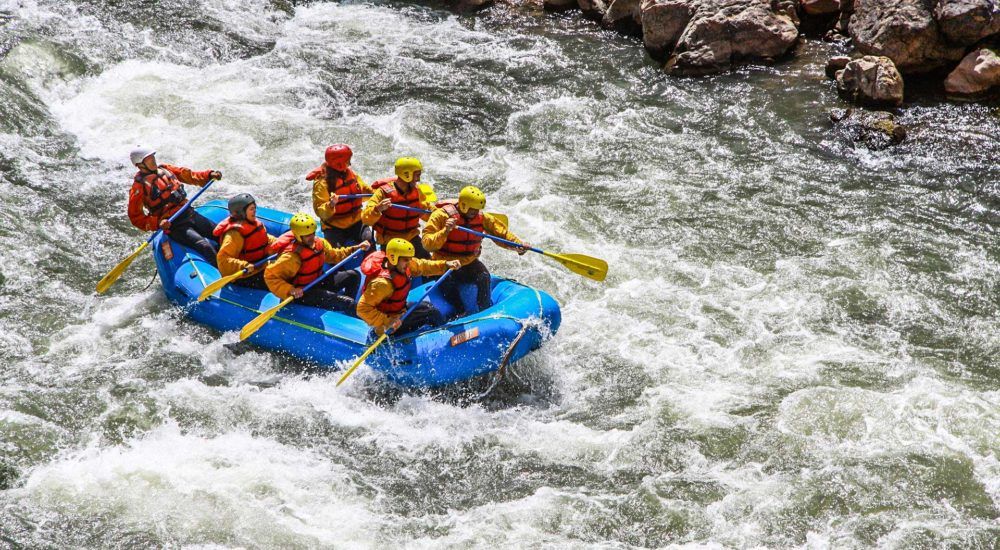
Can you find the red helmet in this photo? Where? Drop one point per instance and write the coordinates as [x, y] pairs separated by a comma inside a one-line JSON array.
[[338, 157]]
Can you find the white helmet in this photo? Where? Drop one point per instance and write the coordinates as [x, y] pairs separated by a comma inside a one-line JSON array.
[[139, 154]]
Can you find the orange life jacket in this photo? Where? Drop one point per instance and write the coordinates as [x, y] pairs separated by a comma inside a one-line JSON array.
[[254, 237], [340, 183], [376, 267], [397, 220], [311, 258], [460, 242], [163, 193]]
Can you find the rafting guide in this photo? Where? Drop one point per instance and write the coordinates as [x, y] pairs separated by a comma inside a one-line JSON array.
[[236, 265]]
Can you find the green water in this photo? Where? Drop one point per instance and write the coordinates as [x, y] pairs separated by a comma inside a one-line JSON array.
[[796, 345]]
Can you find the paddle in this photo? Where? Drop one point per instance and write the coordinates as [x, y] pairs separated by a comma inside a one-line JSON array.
[[389, 330], [115, 273], [587, 266], [425, 188], [258, 321], [219, 283], [502, 218]]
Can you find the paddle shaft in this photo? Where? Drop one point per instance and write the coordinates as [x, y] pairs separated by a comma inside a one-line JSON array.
[[335, 267], [473, 231], [359, 360], [182, 209], [417, 303], [262, 262]]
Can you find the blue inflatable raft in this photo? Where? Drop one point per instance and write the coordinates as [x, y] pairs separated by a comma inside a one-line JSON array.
[[519, 320]]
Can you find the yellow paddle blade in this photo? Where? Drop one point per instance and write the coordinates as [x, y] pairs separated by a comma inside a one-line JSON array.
[[361, 359], [258, 321], [590, 267], [115, 273], [212, 288], [428, 191]]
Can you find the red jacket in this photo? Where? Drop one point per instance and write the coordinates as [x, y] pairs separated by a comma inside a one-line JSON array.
[[137, 196]]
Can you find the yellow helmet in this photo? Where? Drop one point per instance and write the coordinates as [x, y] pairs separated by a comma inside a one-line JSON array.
[[302, 224], [399, 248], [406, 166], [471, 197]]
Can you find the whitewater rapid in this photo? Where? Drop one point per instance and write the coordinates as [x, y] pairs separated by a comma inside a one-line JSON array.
[[796, 345]]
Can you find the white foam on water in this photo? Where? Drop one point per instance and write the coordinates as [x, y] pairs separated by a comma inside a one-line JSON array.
[[699, 340], [232, 489]]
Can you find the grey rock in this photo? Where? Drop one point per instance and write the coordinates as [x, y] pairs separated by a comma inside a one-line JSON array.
[[872, 81], [904, 31], [722, 33], [976, 77], [663, 22], [966, 22], [875, 130], [837, 63]]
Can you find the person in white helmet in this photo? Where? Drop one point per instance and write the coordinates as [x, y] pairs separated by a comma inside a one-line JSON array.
[[158, 192]]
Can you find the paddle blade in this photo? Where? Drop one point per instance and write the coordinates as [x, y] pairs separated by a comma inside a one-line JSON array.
[[361, 359], [258, 321], [218, 284], [590, 267], [428, 191], [115, 273]]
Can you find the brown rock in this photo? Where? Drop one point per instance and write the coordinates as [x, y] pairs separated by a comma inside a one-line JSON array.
[[966, 22], [904, 31], [976, 77], [820, 7], [836, 64], [724, 32], [871, 81], [624, 16], [663, 22]]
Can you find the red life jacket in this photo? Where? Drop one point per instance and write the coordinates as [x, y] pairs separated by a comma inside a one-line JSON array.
[[376, 267], [396, 220], [254, 237], [340, 183], [460, 242], [312, 259], [163, 193]]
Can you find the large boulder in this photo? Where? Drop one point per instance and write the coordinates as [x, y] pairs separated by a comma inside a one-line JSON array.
[[966, 22], [871, 81], [875, 130], [904, 31], [722, 33], [663, 22], [624, 16], [976, 77]]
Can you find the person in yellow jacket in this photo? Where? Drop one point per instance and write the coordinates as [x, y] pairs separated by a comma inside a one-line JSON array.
[[388, 277], [391, 223], [445, 242], [341, 217], [243, 241], [302, 261]]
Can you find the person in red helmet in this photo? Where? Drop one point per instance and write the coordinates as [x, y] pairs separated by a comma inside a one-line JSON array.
[[158, 191], [341, 218]]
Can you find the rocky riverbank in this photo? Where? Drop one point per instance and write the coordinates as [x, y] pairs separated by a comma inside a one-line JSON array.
[[953, 43]]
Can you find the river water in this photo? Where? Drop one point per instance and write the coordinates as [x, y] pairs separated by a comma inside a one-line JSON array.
[[797, 344]]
